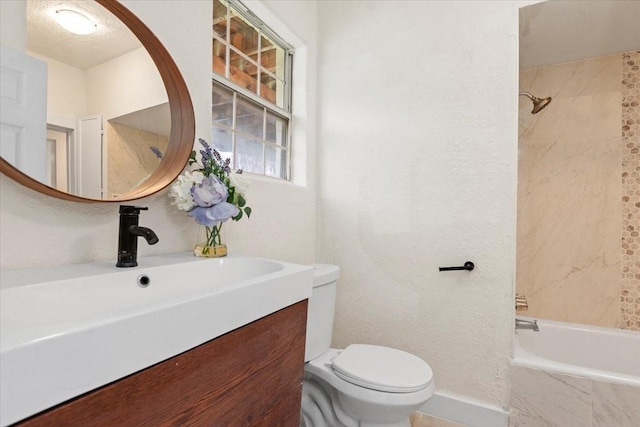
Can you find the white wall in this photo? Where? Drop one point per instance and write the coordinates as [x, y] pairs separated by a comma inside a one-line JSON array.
[[12, 33], [289, 230], [66, 92], [36, 230], [125, 84], [121, 86], [417, 164]]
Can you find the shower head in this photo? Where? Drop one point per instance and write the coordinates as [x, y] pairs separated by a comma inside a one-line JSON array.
[[538, 103]]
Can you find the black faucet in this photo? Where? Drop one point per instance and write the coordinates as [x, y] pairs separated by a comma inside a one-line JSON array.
[[128, 236]]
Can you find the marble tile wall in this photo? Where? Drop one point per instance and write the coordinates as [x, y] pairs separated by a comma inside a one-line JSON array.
[[630, 298], [578, 172], [130, 160], [570, 193], [540, 398]]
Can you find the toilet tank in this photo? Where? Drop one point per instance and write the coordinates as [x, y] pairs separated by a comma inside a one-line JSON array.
[[320, 310]]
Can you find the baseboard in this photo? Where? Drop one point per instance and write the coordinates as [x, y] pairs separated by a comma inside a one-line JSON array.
[[463, 411]]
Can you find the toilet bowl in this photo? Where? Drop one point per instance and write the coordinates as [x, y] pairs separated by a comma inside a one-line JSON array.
[[362, 385]]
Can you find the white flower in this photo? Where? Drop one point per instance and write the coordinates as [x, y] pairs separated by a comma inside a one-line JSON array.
[[240, 182], [180, 191], [196, 176]]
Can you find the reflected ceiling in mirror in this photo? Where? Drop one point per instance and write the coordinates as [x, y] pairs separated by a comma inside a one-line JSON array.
[[46, 37], [118, 123]]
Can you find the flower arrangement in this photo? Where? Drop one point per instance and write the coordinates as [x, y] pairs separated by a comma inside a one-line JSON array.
[[211, 193]]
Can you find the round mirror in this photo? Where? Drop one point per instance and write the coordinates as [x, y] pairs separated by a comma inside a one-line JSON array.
[[97, 112]]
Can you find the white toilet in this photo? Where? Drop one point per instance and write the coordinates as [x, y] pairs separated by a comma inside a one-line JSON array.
[[362, 385]]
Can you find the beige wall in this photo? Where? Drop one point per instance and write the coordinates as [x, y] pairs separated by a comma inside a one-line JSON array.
[[570, 192]]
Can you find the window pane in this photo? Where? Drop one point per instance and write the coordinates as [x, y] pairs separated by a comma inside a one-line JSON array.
[[218, 57], [249, 117], [272, 58], [222, 140], [244, 36], [222, 106], [276, 162], [243, 71], [249, 155], [220, 18], [276, 129], [272, 89], [268, 56], [244, 127]]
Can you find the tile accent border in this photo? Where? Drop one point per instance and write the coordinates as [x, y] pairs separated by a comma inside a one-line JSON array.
[[630, 292]]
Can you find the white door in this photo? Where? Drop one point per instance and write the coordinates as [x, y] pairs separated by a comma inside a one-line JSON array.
[[58, 152], [89, 157], [23, 112]]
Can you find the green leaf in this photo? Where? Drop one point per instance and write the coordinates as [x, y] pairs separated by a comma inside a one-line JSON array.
[[237, 217], [242, 201], [247, 210], [192, 158]]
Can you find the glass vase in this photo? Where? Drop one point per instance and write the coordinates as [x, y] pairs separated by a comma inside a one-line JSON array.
[[212, 247], [214, 251]]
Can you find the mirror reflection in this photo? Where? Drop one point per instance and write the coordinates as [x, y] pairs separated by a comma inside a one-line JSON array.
[[99, 123]]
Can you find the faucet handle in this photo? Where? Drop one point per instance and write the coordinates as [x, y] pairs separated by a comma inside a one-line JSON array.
[[132, 210], [521, 302]]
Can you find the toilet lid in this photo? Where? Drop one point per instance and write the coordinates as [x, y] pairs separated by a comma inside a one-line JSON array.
[[382, 368]]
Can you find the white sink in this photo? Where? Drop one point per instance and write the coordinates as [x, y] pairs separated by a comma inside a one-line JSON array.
[[70, 329]]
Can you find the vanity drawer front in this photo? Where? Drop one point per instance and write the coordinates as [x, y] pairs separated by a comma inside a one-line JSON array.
[[250, 376]]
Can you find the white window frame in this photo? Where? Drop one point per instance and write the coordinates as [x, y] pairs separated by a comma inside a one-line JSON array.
[[283, 112]]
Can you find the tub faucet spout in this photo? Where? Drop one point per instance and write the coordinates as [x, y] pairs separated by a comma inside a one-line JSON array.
[[128, 236], [527, 324]]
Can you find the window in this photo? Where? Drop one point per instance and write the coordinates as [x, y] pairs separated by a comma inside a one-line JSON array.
[[251, 92]]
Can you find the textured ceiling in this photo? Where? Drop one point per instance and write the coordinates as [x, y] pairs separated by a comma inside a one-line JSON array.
[[560, 31], [44, 36]]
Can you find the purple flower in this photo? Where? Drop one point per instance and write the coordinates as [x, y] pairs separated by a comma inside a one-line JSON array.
[[210, 198], [206, 153], [156, 151]]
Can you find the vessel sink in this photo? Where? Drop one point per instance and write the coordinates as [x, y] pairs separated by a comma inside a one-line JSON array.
[[70, 329]]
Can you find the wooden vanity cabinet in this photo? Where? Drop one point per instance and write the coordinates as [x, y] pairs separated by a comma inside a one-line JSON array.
[[251, 376]]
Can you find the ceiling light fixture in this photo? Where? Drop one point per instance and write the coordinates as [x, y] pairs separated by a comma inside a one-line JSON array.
[[75, 22]]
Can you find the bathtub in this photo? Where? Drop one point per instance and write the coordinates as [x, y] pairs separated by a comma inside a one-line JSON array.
[[575, 375], [603, 354]]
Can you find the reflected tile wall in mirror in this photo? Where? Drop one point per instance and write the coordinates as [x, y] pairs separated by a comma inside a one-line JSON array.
[[130, 157]]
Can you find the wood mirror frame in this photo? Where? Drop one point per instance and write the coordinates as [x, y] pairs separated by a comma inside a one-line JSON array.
[[182, 120]]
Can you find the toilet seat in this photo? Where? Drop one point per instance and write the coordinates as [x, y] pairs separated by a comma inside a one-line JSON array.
[[382, 368]]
